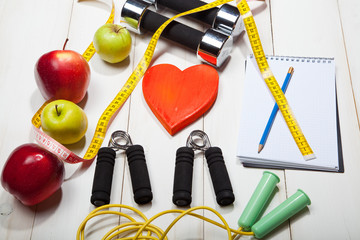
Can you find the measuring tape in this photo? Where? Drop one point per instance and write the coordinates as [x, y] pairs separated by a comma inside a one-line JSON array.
[[271, 82], [68, 156], [111, 110]]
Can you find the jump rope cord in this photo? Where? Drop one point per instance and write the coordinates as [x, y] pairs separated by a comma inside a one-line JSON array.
[[139, 228]]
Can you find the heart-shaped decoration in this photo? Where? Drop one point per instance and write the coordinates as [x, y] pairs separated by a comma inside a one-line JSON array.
[[177, 98]]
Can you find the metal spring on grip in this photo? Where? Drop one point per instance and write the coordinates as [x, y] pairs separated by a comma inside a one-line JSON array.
[[193, 140], [117, 138]]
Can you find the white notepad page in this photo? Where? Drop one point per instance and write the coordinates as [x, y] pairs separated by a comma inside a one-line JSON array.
[[312, 98]]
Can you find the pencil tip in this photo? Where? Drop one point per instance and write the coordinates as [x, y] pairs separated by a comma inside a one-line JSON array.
[[261, 146], [291, 70]]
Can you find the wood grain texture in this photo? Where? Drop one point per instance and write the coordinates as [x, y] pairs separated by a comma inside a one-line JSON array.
[[320, 28]]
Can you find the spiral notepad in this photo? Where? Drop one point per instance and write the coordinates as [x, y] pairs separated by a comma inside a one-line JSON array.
[[311, 94]]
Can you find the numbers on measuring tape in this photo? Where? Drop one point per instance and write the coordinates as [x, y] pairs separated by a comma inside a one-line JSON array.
[[129, 86], [271, 82]]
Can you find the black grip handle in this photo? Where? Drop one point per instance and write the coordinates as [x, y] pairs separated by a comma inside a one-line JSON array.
[[219, 176], [207, 16], [175, 31], [139, 174], [183, 176], [103, 175]]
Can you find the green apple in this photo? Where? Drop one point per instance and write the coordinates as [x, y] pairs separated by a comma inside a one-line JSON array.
[[112, 42], [64, 121]]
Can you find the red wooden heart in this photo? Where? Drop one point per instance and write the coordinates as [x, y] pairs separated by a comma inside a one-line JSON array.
[[177, 98]]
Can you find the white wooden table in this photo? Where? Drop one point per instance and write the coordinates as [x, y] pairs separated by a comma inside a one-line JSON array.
[[319, 28]]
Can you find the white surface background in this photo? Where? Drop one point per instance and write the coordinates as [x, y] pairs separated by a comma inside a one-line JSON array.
[[318, 28]]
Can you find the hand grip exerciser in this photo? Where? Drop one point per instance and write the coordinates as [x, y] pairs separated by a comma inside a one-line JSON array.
[[213, 46], [260, 227], [184, 171], [225, 18], [140, 180]]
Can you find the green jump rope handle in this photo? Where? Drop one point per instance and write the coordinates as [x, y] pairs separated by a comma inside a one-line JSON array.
[[281, 213], [258, 200]]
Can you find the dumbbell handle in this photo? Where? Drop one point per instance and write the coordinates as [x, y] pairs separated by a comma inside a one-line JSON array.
[[207, 16], [175, 31], [219, 176], [225, 18], [139, 174], [212, 46]]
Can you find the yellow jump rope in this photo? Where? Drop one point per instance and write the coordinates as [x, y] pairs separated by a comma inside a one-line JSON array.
[[251, 223], [145, 227]]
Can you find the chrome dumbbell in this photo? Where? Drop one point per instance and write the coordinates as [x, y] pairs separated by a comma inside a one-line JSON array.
[[212, 46]]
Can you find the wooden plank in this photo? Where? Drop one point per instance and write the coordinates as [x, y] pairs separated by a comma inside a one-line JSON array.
[[106, 80], [29, 29], [298, 28], [222, 126], [160, 147], [313, 28], [350, 21]]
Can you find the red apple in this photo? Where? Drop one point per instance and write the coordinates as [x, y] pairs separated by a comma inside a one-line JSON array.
[[32, 174], [62, 74]]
